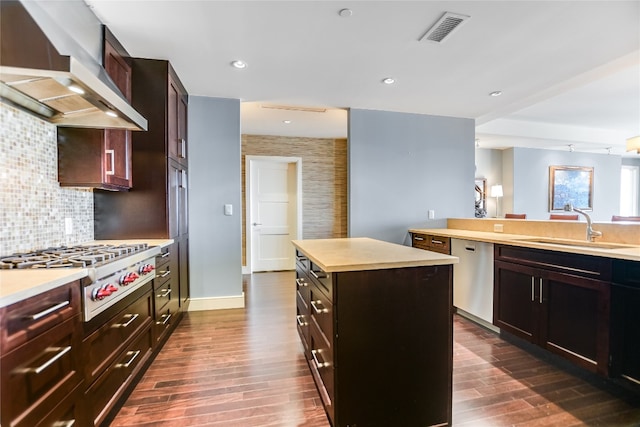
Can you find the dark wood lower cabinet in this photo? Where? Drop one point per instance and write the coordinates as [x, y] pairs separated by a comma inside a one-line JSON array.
[[379, 343], [557, 305]]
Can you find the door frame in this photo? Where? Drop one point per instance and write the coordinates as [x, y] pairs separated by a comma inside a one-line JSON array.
[[248, 230]]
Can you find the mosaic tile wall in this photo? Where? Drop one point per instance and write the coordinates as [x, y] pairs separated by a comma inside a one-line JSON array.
[[33, 206]]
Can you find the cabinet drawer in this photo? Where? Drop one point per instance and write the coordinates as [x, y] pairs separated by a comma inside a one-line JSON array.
[[163, 293], [163, 258], [302, 284], [27, 319], [67, 413], [420, 241], [321, 311], [302, 322], [166, 317], [302, 260], [322, 369], [38, 375], [321, 279], [105, 391], [107, 342], [440, 244]]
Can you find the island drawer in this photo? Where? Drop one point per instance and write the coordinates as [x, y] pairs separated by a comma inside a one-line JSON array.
[[322, 368], [302, 322], [321, 311], [321, 279]]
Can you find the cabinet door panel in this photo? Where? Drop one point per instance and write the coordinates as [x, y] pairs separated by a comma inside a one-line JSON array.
[[577, 320], [514, 306]]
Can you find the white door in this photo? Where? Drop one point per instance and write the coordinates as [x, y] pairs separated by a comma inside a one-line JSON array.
[[272, 218]]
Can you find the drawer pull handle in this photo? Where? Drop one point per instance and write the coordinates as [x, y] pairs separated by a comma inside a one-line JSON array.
[[320, 365], [437, 242], [165, 274], [48, 311], [111, 171], [301, 283], [165, 294], [68, 423], [300, 321], [133, 354], [319, 310], [166, 318], [541, 290], [419, 239], [302, 258], [533, 297], [61, 351], [316, 275], [132, 318], [165, 255]]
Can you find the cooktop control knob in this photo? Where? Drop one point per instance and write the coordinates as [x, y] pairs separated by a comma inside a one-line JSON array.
[[99, 294], [146, 269], [127, 279], [110, 288]]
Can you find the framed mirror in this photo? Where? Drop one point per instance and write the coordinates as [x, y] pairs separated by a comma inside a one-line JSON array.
[[481, 197]]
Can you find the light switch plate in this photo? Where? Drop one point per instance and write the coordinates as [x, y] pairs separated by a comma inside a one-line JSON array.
[[228, 209]]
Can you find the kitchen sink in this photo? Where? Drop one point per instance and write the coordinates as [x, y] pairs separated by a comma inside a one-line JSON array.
[[576, 243]]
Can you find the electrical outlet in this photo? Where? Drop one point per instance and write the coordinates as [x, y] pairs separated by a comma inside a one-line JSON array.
[[498, 228], [68, 226], [432, 214]]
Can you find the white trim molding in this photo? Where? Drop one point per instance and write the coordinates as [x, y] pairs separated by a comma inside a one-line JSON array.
[[216, 303]]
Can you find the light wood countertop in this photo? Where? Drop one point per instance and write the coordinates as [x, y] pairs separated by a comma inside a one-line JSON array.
[[362, 253], [602, 249], [19, 284]]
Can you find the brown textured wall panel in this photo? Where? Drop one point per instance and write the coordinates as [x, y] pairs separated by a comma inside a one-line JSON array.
[[324, 181]]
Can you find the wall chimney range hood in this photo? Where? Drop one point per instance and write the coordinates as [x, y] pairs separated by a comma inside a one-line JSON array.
[[44, 70]]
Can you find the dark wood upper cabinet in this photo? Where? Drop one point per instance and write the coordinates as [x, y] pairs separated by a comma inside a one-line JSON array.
[[100, 158]]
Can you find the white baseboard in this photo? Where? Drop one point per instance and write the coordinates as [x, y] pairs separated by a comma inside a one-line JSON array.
[[246, 269], [216, 303], [478, 320]]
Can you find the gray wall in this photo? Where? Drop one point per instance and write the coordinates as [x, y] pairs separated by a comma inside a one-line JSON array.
[[531, 180], [401, 166], [214, 179]]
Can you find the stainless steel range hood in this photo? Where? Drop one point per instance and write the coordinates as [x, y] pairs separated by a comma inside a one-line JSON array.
[[45, 70]]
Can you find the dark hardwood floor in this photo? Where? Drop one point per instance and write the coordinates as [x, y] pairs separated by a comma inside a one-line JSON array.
[[245, 367]]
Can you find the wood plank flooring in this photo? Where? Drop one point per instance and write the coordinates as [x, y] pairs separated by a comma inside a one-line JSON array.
[[245, 367]]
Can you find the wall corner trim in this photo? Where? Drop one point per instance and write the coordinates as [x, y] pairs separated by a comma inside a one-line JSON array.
[[216, 303]]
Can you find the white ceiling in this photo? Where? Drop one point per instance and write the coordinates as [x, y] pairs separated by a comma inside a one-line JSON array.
[[569, 71]]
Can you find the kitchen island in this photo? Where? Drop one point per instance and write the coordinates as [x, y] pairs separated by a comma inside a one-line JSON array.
[[375, 319]]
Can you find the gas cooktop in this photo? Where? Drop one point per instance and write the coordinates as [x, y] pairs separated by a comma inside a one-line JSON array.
[[80, 256]]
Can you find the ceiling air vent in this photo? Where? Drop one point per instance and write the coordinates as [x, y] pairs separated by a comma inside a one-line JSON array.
[[446, 25]]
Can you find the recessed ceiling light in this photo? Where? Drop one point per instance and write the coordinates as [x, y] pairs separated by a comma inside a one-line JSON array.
[[286, 122], [496, 93], [345, 13], [111, 113], [239, 64], [389, 81]]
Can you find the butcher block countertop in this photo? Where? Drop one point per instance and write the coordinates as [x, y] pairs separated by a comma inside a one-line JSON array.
[[19, 284], [363, 253]]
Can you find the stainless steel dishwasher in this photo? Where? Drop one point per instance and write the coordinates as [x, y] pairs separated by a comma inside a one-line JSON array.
[[473, 280]]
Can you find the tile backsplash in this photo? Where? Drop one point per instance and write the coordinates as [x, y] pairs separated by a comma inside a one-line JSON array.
[[33, 206]]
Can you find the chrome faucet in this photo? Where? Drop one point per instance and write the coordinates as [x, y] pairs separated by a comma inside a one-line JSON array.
[[591, 233]]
